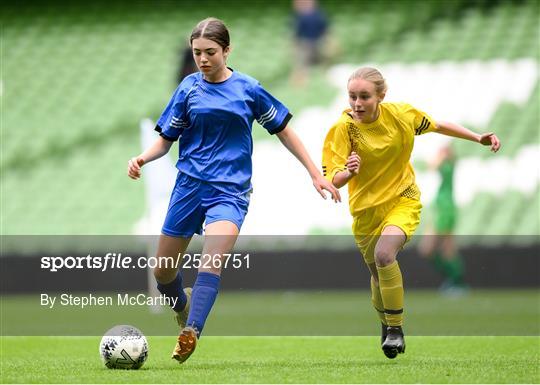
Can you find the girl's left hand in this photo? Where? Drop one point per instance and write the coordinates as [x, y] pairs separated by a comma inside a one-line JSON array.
[[490, 139], [320, 184]]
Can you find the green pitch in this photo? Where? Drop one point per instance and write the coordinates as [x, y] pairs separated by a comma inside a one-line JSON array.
[[293, 313], [486, 336], [280, 360]]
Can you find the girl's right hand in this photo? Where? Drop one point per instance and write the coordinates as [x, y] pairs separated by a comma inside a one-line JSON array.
[[134, 167], [353, 163]]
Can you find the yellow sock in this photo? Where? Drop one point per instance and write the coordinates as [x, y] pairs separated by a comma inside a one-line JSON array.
[[391, 286], [376, 300]]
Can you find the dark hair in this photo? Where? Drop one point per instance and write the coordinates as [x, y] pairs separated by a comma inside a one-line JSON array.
[[211, 29]]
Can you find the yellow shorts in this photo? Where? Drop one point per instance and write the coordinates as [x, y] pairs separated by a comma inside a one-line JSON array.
[[368, 225]]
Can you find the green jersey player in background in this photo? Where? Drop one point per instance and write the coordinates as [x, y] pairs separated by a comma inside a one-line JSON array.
[[439, 245]]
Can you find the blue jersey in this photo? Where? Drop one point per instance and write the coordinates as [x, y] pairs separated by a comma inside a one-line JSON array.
[[213, 122]]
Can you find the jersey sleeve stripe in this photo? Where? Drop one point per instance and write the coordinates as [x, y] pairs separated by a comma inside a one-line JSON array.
[[423, 126], [267, 113], [268, 119], [419, 129]]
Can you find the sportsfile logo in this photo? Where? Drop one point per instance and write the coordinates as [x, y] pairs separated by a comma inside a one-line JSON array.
[[112, 261]]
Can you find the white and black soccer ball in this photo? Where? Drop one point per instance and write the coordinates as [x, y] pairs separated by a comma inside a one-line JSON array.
[[123, 347]]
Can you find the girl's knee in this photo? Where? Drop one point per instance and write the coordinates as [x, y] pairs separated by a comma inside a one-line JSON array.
[[384, 257]]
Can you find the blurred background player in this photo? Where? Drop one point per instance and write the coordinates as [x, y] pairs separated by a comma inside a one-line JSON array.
[[439, 243], [370, 148], [310, 26], [212, 111], [186, 63]]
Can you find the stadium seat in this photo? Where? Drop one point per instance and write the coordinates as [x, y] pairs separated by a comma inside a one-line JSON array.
[[70, 70]]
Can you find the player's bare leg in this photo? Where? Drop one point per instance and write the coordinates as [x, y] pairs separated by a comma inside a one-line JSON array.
[[170, 250], [428, 243], [390, 242], [169, 253], [220, 238]]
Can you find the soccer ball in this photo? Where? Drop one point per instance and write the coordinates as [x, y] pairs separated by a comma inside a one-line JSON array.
[[123, 347]]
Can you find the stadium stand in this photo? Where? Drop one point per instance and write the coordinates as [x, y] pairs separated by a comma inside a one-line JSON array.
[[78, 78]]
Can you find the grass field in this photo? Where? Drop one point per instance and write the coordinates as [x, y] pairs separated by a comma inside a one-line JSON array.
[[280, 360], [293, 313], [486, 336]]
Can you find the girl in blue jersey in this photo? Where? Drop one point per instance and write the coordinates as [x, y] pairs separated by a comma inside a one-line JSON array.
[[212, 112]]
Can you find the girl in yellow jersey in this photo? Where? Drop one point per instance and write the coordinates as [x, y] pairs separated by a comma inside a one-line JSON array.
[[369, 148]]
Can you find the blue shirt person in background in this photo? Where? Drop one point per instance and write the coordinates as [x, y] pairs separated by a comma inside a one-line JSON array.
[[310, 27], [211, 113]]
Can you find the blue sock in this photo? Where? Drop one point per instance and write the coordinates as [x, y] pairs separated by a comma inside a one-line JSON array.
[[174, 290], [203, 297]]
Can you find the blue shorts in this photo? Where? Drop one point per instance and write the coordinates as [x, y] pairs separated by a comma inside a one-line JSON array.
[[194, 201]]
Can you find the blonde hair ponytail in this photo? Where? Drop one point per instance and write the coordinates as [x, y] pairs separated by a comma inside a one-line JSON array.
[[373, 75]]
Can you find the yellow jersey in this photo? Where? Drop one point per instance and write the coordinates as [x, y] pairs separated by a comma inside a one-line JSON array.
[[384, 147]]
